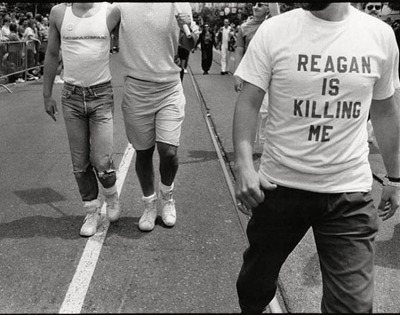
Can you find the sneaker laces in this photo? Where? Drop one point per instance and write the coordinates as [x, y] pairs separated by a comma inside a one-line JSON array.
[[149, 209], [168, 203], [91, 216], [92, 208]]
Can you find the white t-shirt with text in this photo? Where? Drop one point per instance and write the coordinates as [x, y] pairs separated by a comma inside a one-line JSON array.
[[321, 77]]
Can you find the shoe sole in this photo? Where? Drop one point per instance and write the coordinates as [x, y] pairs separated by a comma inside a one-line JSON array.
[[169, 225], [146, 230], [111, 219]]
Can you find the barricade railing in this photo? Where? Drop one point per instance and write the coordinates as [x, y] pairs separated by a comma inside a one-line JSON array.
[[17, 59]]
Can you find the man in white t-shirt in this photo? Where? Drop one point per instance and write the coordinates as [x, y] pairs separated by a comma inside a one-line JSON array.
[[325, 66], [153, 104]]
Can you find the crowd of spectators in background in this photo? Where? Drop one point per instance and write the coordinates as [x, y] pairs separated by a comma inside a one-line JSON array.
[[34, 29], [217, 28], [31, 29]]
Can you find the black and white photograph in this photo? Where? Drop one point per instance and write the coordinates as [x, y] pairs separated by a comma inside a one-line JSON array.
[[199, 157]]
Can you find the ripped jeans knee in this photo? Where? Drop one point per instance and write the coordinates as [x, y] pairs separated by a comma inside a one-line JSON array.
[[107, 178]]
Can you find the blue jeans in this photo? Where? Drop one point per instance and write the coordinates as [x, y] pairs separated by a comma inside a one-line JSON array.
[[344, 226], [88, 115]]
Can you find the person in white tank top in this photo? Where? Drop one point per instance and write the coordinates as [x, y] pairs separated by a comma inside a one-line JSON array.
[[80, 30]]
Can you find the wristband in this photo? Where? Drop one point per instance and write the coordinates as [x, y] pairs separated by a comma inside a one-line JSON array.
[[388, 182], [393, 179]]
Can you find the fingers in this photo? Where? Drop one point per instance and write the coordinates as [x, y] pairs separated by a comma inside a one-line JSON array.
[[386, 209], [390, 202], [252, 199], [54, 116], [183, 18], [249, 196], [238, 86], [242, 208], [267, 185], [52, 112]]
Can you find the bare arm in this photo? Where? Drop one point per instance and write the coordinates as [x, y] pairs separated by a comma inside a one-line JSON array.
[[188, 43], [248, 184], [113, 18], [52, 58], [385, 118], [239, 47], [239, 52]]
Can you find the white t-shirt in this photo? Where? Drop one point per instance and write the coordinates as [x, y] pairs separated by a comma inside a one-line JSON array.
[[321, 77], [149, 39]]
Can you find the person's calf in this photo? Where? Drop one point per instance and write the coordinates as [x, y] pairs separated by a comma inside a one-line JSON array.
[[169, 163]]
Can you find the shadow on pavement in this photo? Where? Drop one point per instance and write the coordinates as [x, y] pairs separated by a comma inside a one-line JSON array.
[[65, 227], [37, 196], [127, 227], [195, 156]]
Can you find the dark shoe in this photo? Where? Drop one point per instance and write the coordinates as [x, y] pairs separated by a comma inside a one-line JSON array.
[[205, 72], [223, 73]]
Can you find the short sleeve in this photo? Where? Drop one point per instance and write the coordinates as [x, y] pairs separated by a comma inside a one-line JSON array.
[[255, 66], [389, 79]]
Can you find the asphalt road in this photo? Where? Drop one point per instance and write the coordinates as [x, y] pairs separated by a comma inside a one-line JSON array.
[[189, 268]]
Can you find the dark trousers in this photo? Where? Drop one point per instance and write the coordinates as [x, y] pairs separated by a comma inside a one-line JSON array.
[[344, 226], [206, 57]]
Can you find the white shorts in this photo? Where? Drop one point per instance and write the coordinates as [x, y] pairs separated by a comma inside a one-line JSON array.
[[153, 112]]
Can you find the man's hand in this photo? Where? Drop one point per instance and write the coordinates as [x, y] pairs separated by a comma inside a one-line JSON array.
[[183, 19], [390, 202], [248, 189], [50, 106], [238, 84]]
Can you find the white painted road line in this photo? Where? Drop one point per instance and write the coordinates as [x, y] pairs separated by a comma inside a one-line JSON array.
[[79, 286]]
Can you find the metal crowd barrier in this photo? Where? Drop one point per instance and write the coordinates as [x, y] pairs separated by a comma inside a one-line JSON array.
[[18, 58]]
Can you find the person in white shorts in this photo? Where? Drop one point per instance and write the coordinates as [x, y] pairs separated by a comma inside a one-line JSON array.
[[153, 104]]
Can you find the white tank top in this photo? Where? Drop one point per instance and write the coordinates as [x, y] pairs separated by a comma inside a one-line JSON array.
[[85, 46]]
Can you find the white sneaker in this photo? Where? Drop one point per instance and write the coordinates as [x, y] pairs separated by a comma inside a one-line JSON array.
[[113, 208], [168, 211], [148, 219], [20, 80], [92, 219]]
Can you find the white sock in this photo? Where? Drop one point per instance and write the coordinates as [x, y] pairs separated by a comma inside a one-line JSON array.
[[149, 198], [164, 188], [92, 205], [110, 191]]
